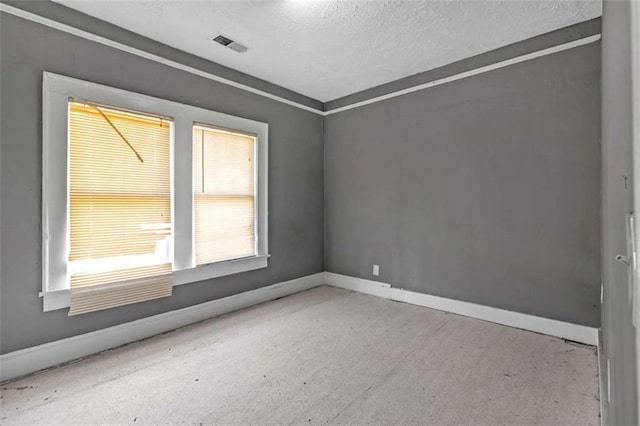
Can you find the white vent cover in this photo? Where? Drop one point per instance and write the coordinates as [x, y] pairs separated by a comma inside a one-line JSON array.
[[230, 43]]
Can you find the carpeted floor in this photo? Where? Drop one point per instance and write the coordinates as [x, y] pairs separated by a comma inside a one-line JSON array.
[[322, 356]]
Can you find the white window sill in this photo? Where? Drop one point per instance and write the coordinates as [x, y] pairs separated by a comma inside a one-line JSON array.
[[219, 269], [60, 299], [56, 299]]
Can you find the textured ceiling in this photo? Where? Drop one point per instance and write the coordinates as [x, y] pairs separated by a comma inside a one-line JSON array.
[[329, 49]]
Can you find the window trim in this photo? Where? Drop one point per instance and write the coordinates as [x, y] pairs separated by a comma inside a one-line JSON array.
[[56, 91]]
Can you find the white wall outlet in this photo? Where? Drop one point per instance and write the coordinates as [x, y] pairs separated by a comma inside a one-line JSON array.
[[376, 270]]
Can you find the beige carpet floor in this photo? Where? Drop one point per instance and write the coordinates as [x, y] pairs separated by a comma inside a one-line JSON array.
[[322, 356]]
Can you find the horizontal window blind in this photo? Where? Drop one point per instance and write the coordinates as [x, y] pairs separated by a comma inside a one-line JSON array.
[[224, 194], [120, 207]]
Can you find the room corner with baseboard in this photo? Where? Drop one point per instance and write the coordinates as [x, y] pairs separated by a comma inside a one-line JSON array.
[[374, 213]]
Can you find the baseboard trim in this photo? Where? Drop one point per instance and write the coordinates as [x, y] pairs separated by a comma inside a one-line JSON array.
[[360, 285], [29, 360], [604, 415], [575, 332]]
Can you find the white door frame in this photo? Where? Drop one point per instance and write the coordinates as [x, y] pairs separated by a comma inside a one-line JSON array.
[[635, 108]]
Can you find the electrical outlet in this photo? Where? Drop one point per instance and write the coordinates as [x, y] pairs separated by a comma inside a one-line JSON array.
[[601, 293], [376, 270]]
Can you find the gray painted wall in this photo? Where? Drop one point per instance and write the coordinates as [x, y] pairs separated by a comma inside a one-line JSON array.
[[534, 44], [295, 177], [68, 16], [618, 335], [486, 189]]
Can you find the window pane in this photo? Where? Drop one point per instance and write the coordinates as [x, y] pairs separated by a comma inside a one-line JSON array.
[[224, 227], [119, 193], [224, 194]]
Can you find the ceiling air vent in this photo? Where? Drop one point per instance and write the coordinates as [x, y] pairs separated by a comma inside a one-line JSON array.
[[231, 44]]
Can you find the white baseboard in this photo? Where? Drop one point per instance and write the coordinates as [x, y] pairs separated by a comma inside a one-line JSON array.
[[25, 361], [604, 415], [575, 332], [360, 285]]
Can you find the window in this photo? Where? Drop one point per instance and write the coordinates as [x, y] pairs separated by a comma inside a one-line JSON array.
[[141, 194], [223, 194], [119, 207]]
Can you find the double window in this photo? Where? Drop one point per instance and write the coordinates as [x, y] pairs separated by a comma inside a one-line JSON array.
[[141, 194]]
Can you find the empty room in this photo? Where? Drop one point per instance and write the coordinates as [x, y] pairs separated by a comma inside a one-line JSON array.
[[319, 212]]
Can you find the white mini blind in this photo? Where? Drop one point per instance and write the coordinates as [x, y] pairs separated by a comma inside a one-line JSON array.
[[224, 194], [120, 207]]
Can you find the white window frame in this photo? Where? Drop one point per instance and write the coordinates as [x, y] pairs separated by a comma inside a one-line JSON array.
[[56, 92]]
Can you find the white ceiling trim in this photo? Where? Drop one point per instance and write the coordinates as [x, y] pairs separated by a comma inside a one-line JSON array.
[[330, 49], [120, 46], [476, 71], [107, 42]]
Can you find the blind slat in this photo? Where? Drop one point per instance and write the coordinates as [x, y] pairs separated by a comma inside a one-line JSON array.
[[119, 196], [97, 297], [224, 194]]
